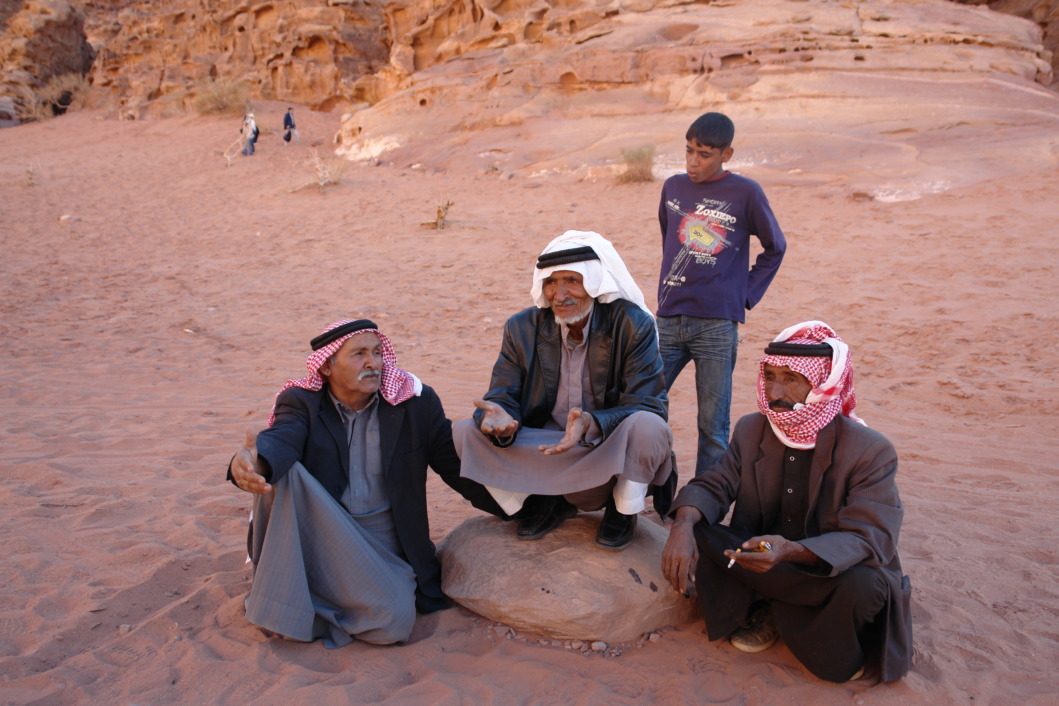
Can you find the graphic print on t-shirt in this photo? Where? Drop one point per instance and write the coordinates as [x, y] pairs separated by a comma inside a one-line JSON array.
[[702, 236]]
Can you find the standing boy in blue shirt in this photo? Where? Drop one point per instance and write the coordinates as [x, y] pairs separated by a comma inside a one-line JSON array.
[[706, 283]]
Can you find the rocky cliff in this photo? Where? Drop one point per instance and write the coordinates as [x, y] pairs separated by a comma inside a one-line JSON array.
[[463, 66], [499, 56], [40, 40], [309, 52]]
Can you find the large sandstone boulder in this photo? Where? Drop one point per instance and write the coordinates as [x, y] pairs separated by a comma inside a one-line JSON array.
[[563, 586], [873, 78], [1043, 12], [40, 40]]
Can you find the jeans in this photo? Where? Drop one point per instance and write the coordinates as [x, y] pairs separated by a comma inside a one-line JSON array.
[[712, 344]]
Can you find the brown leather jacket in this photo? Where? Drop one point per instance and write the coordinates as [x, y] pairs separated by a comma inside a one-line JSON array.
[[625, 368]]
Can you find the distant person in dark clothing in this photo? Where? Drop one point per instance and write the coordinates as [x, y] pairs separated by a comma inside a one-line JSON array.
[[289, 130]]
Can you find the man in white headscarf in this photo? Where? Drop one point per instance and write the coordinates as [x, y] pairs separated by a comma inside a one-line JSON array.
[[339, 538], [810, 552], [575, 415], [250, 134]]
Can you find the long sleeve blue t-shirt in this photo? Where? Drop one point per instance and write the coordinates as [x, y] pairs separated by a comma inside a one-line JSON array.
[[706, 230]]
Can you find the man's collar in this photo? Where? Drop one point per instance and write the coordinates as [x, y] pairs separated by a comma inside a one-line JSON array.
[[349, 411]]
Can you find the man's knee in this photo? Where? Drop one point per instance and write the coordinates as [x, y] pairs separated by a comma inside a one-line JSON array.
[[714, 540], [864, 589], [648, 430]]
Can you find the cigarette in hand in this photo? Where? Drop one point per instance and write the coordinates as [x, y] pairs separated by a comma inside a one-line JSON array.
[[762, 546]]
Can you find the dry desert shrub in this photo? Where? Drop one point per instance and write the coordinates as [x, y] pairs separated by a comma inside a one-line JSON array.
[[53, 98], [31, 173], [224, 97], [327, 172], [639, 162], [233, 150], [442, 213]]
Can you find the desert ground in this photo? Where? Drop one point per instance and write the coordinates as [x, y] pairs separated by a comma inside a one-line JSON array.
[[154, 299]]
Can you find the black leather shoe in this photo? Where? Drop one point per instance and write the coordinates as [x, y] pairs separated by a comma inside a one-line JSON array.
[[616, 530], [665, 493], [541, 514]]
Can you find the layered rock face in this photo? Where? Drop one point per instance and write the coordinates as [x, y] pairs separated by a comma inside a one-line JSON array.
[[342, 54], [1045, 13], [309, 52], [464, 66], [427, 82], [39, 40]]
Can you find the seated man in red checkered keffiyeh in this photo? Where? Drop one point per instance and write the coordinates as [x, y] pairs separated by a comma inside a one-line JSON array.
[[810, 552], [339, 537]]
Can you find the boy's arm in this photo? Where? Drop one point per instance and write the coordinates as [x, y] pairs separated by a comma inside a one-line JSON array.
[[763, 224], [663, 214]]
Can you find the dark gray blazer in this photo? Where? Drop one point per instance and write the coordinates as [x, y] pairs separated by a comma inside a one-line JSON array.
[[854, 513], [412, 435]]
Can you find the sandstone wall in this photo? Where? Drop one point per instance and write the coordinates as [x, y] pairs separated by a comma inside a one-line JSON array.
[[1045, 13], [475, 65], [343, 53], [39, 40], [308, 52], [505, 55]]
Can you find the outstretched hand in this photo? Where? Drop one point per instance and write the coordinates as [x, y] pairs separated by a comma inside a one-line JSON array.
[[496, 420], [577, 425], [246, 469]]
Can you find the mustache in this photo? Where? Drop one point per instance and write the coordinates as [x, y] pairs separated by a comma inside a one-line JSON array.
[[781, 404], [368, 374]]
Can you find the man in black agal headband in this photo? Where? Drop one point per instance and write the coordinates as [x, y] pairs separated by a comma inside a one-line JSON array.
[[575, 415], [339, 540], [809, 554]]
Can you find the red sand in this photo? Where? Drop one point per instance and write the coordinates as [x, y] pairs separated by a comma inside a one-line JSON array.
[[154, 300]]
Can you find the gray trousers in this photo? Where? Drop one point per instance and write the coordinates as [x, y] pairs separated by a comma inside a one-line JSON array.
[[634, 456], [319, 574]]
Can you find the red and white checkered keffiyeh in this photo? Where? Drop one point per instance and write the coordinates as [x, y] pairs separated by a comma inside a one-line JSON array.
[[396, 385], [831, 378]]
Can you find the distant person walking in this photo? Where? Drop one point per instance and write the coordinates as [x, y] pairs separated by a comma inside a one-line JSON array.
[[250, 133], [289, 129]]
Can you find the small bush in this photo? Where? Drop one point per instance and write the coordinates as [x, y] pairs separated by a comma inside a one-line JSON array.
[[639, 162], [54, 98], [223, 97], [327, 172]]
